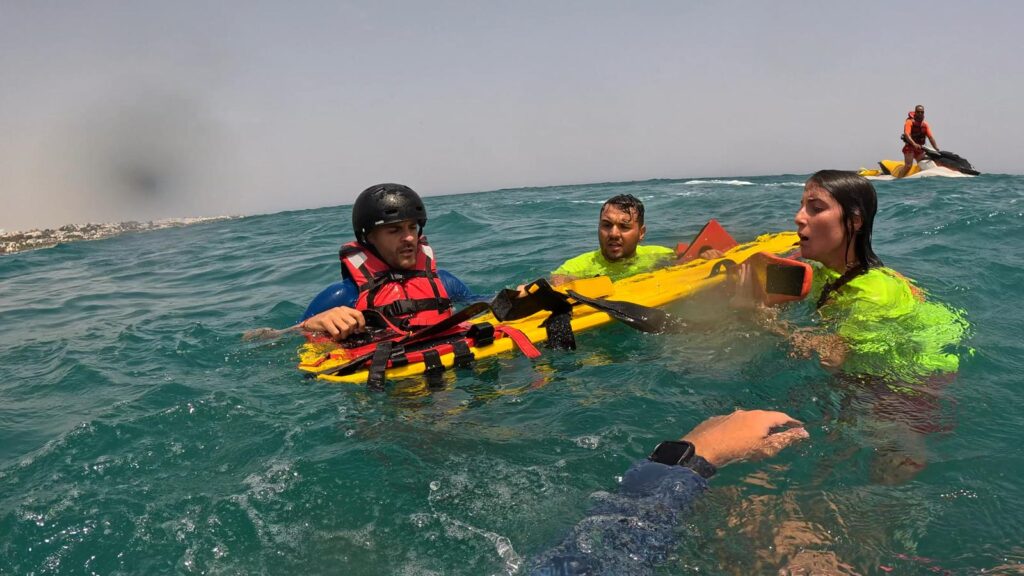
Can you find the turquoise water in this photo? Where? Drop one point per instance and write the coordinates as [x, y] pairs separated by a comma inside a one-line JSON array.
[[140, 435]]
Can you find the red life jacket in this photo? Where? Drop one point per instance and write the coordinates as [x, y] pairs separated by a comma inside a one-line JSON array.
[[408, 298], [918, 130]]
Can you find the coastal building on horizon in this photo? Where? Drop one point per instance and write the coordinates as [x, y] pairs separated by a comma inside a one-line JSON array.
[[12, 242]]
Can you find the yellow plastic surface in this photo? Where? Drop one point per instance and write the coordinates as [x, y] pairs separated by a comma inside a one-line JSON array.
[[891, 166], [650, 289]]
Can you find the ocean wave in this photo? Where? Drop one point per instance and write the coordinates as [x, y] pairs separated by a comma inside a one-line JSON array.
[[641, 197], [725, 182]]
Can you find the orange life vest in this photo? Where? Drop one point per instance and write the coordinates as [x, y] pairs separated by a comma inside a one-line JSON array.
[[408, 298], [918, 130]]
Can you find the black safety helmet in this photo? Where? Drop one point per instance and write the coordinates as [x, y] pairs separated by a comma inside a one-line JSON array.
[[385, 204]]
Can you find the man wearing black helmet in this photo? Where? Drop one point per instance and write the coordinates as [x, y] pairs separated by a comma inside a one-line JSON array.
[[389, 268]]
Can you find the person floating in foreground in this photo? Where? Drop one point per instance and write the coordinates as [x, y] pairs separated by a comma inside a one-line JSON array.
[[389, 268], [915, 131], [633, 531]]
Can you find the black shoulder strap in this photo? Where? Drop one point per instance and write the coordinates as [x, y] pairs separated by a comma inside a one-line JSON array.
[[432, 279], [400, 308]]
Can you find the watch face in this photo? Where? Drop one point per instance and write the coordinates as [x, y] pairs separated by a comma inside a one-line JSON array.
[[672, 452]]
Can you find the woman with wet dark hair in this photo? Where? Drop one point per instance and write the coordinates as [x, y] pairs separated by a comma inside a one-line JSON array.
[[878, 322], [857, 204]]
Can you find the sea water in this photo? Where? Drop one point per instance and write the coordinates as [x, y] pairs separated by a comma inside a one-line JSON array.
[[140, 435]]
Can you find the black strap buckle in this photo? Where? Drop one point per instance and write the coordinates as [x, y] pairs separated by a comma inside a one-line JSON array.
[[434, 368], [432, 362], [398, 357], [482, 334], [378, 366], [405, 307], [463, 355]]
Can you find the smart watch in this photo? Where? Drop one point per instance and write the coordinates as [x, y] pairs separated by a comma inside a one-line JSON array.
[[673, 453], [682, 453]]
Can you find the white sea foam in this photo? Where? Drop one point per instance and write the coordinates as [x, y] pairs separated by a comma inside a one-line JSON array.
[[724, 182], [502, 545], [692, 192]]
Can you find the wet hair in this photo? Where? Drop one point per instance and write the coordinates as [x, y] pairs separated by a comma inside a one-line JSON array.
[[628, 204], [856, 196]]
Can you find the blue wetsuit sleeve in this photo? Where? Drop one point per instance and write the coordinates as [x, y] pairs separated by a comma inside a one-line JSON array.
[[457, 290], [629, 532], [341, 293]]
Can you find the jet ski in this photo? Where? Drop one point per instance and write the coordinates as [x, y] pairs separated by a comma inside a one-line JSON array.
[[936, 163], [947, 159]]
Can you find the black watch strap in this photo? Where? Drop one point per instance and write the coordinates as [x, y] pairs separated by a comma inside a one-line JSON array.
[[703, 467], [682, 453]]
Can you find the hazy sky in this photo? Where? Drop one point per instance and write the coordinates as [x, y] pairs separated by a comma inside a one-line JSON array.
[[136, 110]]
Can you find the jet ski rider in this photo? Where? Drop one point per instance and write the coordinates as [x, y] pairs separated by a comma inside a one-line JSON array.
[[915, 131]]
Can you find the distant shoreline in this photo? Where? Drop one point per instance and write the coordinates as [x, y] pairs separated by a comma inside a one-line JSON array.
[[13, 242]]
